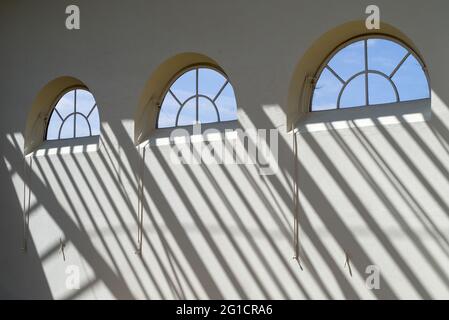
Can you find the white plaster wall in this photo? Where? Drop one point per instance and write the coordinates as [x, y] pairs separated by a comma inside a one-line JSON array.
[[378, 193]]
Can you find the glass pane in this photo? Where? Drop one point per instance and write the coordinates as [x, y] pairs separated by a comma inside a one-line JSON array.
[[384, 55], [53, 127], [167, 114], [94, 120], [326, 92], [411, 80], [187, 116], [349, 60], [206, 111], [209, 82], [84, 101], [82, 127], [67, 128], [65, 105], [354, 93], [185, 86], [227, 104], [380, 90]]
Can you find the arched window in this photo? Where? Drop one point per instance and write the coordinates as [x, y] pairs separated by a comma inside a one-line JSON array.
[[75, 115], [199, 94], [369, 71]]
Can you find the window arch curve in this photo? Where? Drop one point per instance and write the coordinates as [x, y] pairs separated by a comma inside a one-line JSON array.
[[197, 94], [369, 70], [74, 115]]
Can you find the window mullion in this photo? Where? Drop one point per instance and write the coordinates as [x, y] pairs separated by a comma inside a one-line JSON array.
[[197, 98], [366, 73], [74, 115], [399, 65]]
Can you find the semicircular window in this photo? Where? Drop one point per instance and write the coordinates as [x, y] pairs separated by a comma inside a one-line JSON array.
[[198, 95], [75, 115], [369, 71]]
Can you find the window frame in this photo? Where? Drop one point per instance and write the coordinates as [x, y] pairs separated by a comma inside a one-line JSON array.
[[53, 108], [366, 71], [180, 73]]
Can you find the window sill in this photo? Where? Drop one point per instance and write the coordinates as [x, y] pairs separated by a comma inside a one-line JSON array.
[[376, 115], [184, 134], [67, 146]]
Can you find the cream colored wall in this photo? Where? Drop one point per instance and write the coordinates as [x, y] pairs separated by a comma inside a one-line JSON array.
[[377, 193]]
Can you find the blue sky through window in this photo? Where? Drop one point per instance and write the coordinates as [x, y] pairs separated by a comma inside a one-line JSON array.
[[75, 115], [214, 96], [393, 74]]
